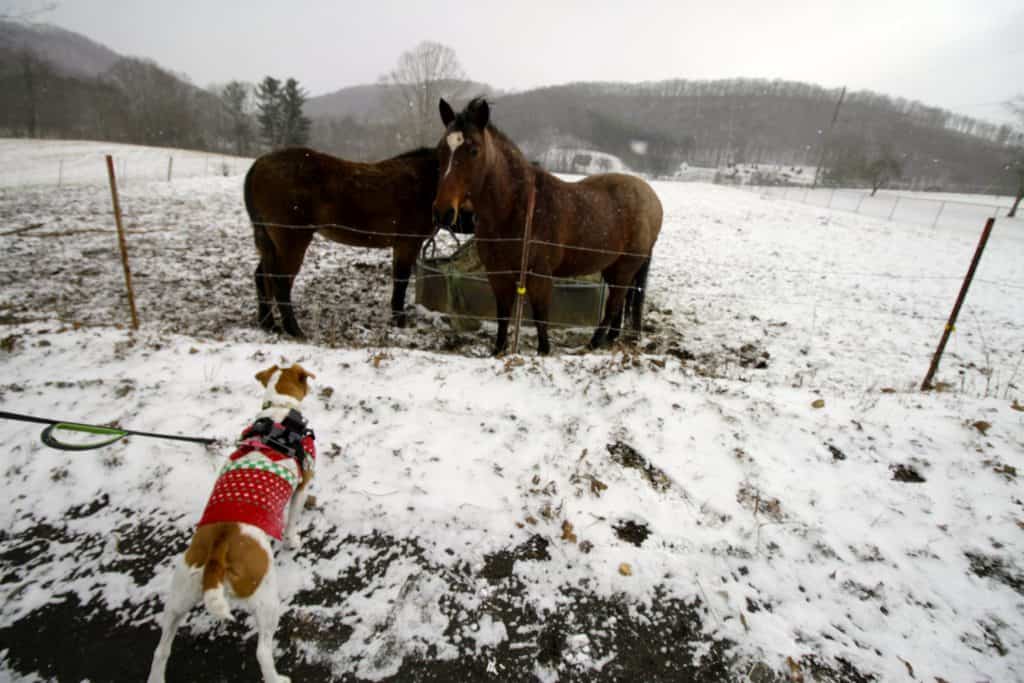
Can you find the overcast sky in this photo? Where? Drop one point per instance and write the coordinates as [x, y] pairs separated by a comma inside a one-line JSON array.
[[964, 55]]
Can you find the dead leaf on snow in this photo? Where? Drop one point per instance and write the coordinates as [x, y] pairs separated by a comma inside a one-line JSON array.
[[982, 426], [625, 569], [910, 669], [1016, 406], [888, 390], [819, 403], [794, 670], [567, 533]]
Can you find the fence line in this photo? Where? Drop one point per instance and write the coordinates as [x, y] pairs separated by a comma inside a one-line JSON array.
[[980, 210], [810, 302]]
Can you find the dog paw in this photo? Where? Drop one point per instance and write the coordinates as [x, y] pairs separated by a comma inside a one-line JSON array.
[[292, 541], [281, 678]]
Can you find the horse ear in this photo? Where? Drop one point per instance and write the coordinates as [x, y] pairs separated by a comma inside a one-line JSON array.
[[447, 115], [481, 114]]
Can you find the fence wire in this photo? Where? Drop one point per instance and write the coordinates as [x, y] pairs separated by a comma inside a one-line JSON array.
[[818, 312]]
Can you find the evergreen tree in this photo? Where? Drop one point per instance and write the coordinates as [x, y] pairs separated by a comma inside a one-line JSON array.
[[268, 106], [295, 126], [236, 98]]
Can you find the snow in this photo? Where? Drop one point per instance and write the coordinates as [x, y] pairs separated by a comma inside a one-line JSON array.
[[56, 163], [778, 515]]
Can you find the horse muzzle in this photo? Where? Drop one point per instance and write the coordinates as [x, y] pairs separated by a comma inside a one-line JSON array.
[[447, 218]]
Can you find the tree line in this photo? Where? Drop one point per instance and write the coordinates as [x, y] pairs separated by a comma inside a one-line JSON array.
[[654, 128], [136, 101]]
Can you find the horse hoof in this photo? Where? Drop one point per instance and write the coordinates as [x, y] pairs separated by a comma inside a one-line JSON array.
[[294, 331], [400, 320]]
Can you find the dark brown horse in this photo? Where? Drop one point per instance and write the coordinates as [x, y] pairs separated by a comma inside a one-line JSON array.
[[605, 223], [293, 193]]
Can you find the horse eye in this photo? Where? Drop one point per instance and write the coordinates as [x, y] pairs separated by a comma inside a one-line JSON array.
[[473, 151]]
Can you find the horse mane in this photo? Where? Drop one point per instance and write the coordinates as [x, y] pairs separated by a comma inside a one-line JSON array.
[[419, 153], [464, 120]]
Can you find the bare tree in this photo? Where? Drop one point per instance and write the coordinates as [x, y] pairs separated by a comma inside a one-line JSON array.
[[883, 169], [423, 75]]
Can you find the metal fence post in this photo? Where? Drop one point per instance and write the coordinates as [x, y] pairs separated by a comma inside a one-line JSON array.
[[951, 324], [894, 205]]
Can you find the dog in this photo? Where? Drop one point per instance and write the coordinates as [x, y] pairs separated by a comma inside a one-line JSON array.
[[230, 553]]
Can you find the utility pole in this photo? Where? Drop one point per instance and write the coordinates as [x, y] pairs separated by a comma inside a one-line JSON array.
[[821, 156]]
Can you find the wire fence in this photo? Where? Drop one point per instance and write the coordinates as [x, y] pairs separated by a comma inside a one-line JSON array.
[[821, 321], [967, 212], [52, 163]]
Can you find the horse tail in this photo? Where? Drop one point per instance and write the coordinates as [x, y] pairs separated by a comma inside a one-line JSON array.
[[635, 296], [258, 228], [267, 265], [213, 579]]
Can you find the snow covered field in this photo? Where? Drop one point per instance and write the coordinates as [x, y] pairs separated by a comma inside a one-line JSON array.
[[757, 491], [54, 163]]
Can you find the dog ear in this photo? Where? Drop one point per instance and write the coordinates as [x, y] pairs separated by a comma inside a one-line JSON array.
[[304, 374], [264, 375]]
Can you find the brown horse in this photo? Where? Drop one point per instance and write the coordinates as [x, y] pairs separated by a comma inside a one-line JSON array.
[[605, 223], [293, 193]]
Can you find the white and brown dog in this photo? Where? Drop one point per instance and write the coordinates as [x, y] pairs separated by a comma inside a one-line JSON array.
[[230, 555]]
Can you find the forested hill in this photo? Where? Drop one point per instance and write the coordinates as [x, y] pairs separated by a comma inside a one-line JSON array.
[[712, 123], [59, 84]]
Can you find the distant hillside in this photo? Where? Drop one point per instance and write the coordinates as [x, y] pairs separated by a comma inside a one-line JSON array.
[[366, 102], [59, 84], [361, 102], [655, 127], [68, 52]]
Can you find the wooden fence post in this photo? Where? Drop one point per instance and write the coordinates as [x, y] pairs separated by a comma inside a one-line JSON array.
[[121, 242], [170, 165], [517, 318], [60, 173], [894, 205], [951, 324]]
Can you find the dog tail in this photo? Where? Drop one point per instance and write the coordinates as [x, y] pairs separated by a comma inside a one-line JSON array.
[[213, 580]]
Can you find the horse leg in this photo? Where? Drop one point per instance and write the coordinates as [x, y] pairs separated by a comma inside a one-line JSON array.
[[637, 294], [504, 288], [264, 286], [289, 262], [539, 291], [618, 278], [264, 299], [401, 270]]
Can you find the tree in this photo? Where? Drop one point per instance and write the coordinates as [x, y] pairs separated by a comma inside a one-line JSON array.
[[883, 169], [268, 104], [423, 75], [236, 98], [1016, 164], [280, 112], [295, 126], [159, 105]]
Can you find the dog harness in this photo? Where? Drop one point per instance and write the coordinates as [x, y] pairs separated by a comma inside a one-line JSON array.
[[254, 487]]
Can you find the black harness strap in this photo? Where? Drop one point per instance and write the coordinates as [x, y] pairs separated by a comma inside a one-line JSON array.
[[284, 437]]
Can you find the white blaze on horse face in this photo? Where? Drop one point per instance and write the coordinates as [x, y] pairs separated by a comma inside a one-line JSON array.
[[455, 140]]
